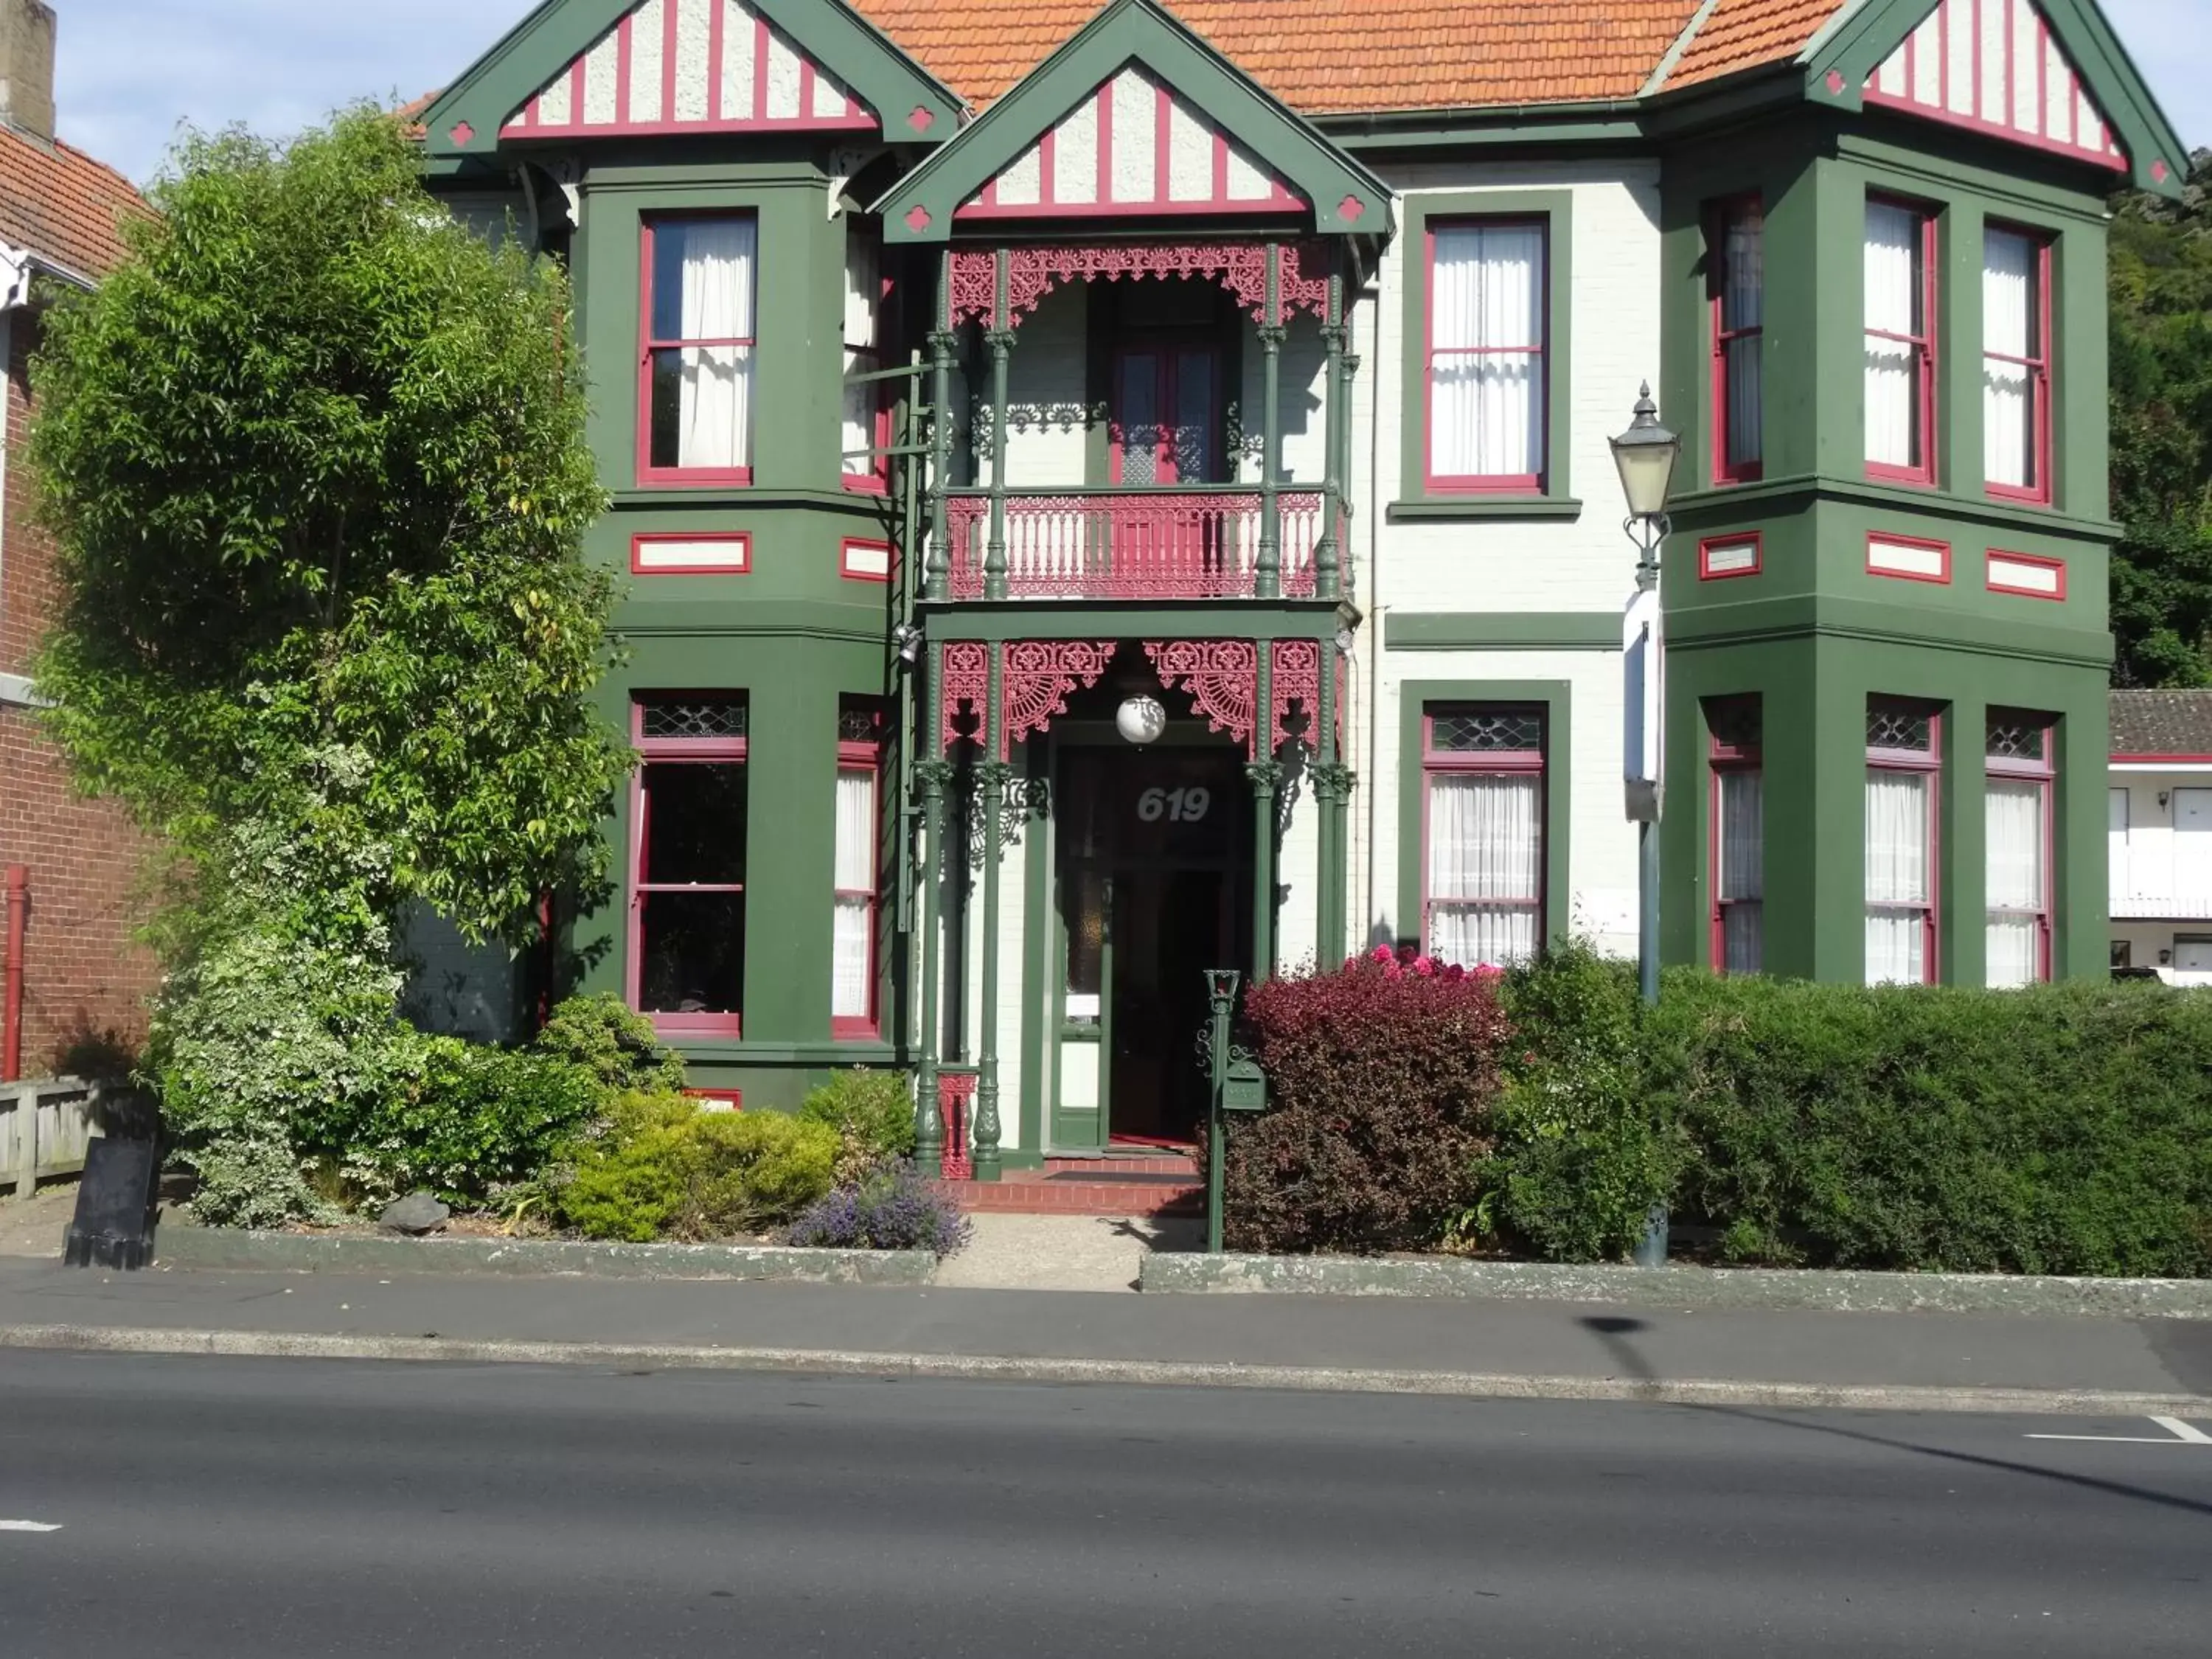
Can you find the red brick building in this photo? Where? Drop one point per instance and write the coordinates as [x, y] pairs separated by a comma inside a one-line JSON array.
[[73, 970]]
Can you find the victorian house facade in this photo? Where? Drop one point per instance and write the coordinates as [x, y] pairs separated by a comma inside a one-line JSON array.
[[1108, 493]]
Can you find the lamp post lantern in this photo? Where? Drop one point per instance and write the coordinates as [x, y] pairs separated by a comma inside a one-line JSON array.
[[1645, 455]]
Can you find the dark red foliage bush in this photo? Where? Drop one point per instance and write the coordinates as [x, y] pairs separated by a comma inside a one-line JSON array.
[[1381, 1077]]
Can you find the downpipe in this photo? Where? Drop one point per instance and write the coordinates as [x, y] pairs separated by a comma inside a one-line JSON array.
[[11, 1031]]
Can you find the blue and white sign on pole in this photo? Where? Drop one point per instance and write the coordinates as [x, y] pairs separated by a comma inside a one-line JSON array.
[[1643, 703]]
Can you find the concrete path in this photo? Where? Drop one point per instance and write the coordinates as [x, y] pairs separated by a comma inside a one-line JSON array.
[[35, 1225], [1064, 1252], [258, 1510]]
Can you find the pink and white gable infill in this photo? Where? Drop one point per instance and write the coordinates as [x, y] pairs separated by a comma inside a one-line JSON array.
[[690, 66], [1132, 147], [1995, 65]]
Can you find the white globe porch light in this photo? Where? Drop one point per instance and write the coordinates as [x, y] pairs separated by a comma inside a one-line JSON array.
[[1141, 720]]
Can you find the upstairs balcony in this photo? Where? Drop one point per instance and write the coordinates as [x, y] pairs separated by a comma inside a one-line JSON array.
[[1187, 542]]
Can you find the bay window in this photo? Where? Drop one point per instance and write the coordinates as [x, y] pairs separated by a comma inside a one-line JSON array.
[[1483, 828], [695, 401], [1739, 321], [1486, 366], [2016, 364], [1739, 854], [854, 924], [1900, 343], [867, 411], [687, 909], [1903, 756], [2016, 829]]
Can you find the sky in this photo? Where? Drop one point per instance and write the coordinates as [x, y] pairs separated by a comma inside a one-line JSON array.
[[129, 70]]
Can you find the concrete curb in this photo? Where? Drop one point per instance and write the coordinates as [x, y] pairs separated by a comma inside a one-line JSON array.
[[223, 1247], [1003, 1368], [1826, 1290]]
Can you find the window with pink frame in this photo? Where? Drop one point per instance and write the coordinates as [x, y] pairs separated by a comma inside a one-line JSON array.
[[857, 918], [2016, 364], [1482, 792], [687, 867], [2018, 780], [867, 417], [695, 354], [1739, 849], [1903, 758], [1738, 326], [1900, 342], [1487, 363]]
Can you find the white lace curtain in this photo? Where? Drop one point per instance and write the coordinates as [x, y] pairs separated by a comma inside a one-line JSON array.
[[1742, 871], [715, 416], [863, 314], [2010, 320], [1892, 309], [1485, 361], [2013, 823], [1743, 306], [1485, 867], [852, 966], [1897, 877]]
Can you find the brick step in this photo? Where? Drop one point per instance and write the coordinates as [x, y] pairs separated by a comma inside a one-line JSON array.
[[1133, 1164], [1014, 1196]]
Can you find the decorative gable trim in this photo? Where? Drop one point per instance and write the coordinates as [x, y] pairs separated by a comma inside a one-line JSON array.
[[1993, 65], [583, 68], [1133, 146], [1148, 65], [690, 66], [2004, 67]]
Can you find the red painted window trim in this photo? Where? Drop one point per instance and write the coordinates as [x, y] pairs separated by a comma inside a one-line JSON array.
[[2043, 771], [845, 559], [1168, 351], [1707, 574], [1990, 580], [1521, 483], [740, 562], [647, 473], [2039, 365], [1726, 471], [1725, 758], [1944, 548], [664, 751], [1516, 763], [868, 758], [1924, 345], [1929, 763], [877, 480]]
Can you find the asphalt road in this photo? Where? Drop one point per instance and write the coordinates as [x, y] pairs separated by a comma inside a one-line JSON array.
[[290, 1508]]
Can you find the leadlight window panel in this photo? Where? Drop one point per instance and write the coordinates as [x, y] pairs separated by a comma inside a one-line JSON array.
[[1486, 731], [1737, 725], [2022, 738], [860, 722], [678, 718], [1911, 731]]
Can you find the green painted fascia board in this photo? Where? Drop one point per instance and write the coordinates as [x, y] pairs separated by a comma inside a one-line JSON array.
[[809, 618], [1556, 209], [534, 50], [1861, 43], [1601, 121], [1501, 630], [1803, 616], [1460, 508], [1234, 619], [1957, 169], [1141, 31], [1692, 509], [1558, 700]]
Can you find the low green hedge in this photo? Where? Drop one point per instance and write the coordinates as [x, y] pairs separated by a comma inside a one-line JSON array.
[[2062, 1129]]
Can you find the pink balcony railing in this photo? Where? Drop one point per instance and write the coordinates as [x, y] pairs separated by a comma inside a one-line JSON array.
[[1192, 544]]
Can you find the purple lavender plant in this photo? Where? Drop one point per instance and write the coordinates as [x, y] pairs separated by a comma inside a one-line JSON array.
[[899, 1209]]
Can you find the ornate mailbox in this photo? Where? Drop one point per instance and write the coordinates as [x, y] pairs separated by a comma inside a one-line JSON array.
[[1244, 1089]]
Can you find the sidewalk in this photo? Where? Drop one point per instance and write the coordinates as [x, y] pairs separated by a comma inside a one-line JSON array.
[[1915, 1361]]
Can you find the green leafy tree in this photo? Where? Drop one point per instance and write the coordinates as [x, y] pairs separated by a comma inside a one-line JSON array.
[[2161, 414], [315, 458]]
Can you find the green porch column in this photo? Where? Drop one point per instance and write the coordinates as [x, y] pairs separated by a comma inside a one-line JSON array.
[[1326, 555], [994, 771], [941, 342], [1347, 570], [1267, 575], [1332, 782], [1000, 339], [933, 775], [1266, 774]]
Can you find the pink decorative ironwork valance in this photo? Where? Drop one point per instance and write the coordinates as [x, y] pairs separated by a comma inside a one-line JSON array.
[[1241, 267]]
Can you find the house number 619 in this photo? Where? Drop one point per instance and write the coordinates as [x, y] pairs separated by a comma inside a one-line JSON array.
[[1175, 806]]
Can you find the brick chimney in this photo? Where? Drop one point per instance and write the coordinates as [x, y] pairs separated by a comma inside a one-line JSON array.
[[26, 67]]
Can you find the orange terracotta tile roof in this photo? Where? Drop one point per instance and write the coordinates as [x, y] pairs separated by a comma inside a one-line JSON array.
[[1742, 34], [1334, 57], [60, 204]]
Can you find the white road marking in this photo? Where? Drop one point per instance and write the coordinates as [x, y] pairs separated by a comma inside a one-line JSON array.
[[28, 1526], [2178, 1433]]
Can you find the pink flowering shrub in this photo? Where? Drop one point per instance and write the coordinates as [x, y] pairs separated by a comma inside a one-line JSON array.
[[1382, 1076]]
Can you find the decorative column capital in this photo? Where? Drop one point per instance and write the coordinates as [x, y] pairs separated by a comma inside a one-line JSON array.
[[1000, 340], [1272, 335], [1333, 781], [934, 775], [1352, 361], [994, 775], [944, 340], [1265, 776]]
